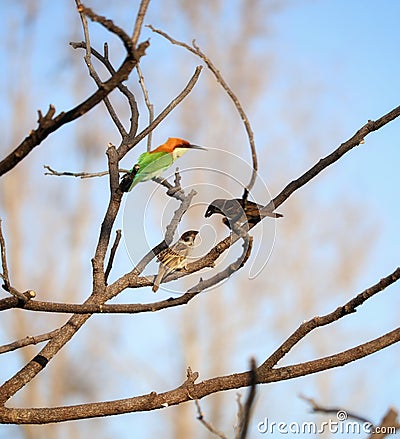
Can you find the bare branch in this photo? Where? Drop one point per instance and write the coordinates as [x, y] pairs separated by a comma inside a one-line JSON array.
[[5, 275], [195, 49], [174, 190], [15, 301], [206, 424], [78, 174], [123, 149], [118, 235], [246, 415], [109, 219], [48, 125], [109, 25], [265, 372], [69, 329], [104, 59], [224, 274], [388, 426], [317, 408], [182, 394], [139, 21], [93, 74], [355, 140], [316, 322], [178, 214], [149, 105], [29, 340]]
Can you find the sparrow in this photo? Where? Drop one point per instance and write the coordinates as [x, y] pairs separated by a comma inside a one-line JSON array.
[[236, 210], [175, 257]]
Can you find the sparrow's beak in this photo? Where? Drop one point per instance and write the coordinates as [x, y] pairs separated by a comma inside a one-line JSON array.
[[196, 147], [209, 212]]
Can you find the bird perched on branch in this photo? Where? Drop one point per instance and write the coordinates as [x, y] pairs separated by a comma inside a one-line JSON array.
[[239, 210], [154, 163], [175, 257]]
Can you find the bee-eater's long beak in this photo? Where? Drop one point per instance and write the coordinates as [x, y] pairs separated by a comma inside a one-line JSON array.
[[196, 147]]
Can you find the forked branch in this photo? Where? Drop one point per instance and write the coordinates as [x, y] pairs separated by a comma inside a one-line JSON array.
[[48, 123]]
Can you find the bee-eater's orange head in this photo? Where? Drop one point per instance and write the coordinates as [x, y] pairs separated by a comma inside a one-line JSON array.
[[176, 146]]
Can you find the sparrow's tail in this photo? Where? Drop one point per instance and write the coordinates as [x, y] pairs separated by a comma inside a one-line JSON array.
[[272, 214], [159, 278], [269, 212]]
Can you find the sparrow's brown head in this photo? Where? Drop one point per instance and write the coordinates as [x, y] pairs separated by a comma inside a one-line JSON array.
[[189, 236]]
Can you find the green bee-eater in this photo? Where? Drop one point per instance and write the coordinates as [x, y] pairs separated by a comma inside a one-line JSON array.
[[153, 163]]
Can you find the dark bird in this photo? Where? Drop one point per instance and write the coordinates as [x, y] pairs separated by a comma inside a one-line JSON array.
[[175, 257], [237, 210]]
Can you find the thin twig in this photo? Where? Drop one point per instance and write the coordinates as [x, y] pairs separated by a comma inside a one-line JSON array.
[[29, 340], [338, 411], [123, 149], [245, 419], [5, 275], [110, 26], [118, 235], [355, 140], [139, 21], [224, 274], [93, 74], [104, 59], [195, 49], [149, 105], [92, 308], [206, 424], [79, 174], [174, 190], [239, 414]]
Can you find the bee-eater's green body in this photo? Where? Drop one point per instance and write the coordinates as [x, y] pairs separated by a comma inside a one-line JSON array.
[[154, 163]]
